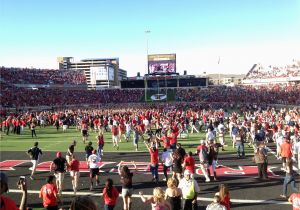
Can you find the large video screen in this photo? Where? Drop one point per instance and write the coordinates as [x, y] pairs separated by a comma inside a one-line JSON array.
[[162, 63]]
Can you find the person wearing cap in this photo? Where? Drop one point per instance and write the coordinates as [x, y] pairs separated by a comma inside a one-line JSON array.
[[59, 166], [7, 203], [93, 161], [34, 154], [202, 152], [190, 190]]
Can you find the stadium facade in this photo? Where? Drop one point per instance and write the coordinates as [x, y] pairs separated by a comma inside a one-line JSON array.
[[99, 72]]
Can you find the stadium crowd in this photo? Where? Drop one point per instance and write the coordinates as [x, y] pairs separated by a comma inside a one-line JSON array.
[[41, 76], [12, 96], [261, 72], [159, 128]]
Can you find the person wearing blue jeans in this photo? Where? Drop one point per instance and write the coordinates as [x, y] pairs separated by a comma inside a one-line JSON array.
[[153, 150], [239, 143], [289, 178]]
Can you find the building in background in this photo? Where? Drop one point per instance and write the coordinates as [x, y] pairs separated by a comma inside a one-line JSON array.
[[225, 79], [99, 72]]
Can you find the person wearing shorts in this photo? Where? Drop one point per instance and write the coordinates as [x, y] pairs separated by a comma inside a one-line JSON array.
[[74, 172], [93, 161], [127, 188], [34, 154], [59, 165]]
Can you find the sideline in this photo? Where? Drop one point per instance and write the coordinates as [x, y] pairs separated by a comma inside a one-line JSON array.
[[137, 196]]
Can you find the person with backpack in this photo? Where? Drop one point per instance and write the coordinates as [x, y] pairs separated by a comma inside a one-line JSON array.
[[34, 154], [260, 158]]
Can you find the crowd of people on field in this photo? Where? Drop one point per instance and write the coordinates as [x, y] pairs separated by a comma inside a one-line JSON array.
[[159, 128], [42, 76]]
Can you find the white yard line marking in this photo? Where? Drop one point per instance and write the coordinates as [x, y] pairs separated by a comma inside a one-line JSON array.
[[137, 196]]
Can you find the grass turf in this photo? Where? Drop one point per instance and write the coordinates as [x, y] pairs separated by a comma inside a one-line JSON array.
[[52, 140]]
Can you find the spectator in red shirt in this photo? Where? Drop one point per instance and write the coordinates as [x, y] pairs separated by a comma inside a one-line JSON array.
[[286, 151], [74, 172], [153, 150], [173, 139], [165, 139], [295, 201], [110, 195], [115, 136], [189, 163], [49, 194]]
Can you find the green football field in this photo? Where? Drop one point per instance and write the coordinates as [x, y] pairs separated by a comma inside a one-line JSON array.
[[52, 140]]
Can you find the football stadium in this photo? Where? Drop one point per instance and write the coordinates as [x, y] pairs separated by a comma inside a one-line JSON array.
[[93, 134]]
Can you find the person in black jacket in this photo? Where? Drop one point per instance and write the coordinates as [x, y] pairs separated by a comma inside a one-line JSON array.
[[34, 154]]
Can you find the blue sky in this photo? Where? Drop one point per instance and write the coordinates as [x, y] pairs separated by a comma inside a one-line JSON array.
[[241, 33]]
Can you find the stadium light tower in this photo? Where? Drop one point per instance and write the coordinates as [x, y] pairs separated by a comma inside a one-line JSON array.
[[147, 32]]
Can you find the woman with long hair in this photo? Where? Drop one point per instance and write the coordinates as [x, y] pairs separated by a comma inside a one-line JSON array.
[[127, 188], [173, 194], [177, 165], [157, 201], [110, 195], [224, 196]]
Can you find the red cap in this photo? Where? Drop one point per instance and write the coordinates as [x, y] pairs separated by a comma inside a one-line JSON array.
[[58, 154]]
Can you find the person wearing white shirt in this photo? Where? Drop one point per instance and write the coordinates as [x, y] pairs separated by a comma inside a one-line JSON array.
[[93, 161], [167, 160], [128, 130]]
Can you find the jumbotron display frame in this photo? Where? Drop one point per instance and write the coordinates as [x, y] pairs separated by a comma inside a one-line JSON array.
[[162, 63]]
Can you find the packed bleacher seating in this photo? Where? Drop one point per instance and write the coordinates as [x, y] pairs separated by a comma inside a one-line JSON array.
[[262, 72], [41, 76], [12, 96], [18, 97]]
